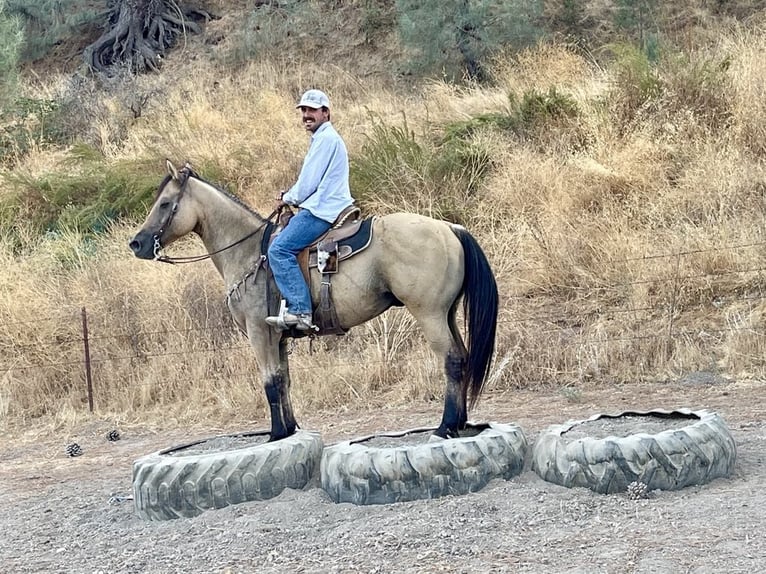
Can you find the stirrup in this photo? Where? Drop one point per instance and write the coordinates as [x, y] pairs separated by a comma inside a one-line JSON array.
[[279, 320], [281, 324]]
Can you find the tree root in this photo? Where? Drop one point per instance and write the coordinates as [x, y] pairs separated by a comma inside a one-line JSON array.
[[141, 32]]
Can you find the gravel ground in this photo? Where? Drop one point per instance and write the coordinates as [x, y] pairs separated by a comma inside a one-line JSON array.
[[57, 515]]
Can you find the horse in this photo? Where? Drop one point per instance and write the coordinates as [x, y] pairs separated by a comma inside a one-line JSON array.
[[421, 263]]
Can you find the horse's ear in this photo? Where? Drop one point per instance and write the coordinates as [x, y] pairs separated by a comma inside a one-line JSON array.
[[172, 171]]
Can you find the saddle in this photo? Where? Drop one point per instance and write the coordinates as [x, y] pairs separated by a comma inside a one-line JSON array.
[[348, 236]]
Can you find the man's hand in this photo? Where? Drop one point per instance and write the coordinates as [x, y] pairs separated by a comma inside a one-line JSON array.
[[279, 202]]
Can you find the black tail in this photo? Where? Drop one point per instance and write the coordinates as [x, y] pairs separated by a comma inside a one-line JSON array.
[[480, 305]]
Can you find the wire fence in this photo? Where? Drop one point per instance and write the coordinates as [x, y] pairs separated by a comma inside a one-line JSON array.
[[81, 341]]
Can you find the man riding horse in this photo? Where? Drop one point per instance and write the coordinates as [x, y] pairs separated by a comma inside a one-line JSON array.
[[322, 193]]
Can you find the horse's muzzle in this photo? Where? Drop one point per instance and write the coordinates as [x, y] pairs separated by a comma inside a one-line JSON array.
[[142, 245]]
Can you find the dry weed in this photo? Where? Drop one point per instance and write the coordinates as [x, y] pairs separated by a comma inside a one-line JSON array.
[[636, 257]]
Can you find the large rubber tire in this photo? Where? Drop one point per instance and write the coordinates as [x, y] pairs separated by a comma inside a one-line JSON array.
[[169, 485], [669, 460], [354, 472]]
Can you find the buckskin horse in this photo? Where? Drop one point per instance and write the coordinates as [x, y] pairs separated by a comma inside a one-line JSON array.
[[421, 263]]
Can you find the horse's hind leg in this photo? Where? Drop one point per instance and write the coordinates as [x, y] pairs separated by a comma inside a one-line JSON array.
[[458, 354], [447, 344], [455, 416]]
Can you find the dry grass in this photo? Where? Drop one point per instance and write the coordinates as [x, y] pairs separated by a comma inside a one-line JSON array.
[[637, 257], [748, 72]]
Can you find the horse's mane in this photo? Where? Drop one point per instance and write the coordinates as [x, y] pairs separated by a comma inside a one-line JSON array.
[[231, 196], [161, 187]]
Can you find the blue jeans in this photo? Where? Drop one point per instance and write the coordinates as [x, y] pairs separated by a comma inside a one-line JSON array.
[[301, 232]]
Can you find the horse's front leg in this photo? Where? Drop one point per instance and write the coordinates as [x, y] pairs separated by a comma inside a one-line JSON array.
[[271, 353], [277, 386]]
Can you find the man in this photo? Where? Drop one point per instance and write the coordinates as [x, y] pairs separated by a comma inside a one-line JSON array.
[[322, 193]]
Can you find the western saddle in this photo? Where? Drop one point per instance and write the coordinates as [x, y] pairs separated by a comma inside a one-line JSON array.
[[349, 235]]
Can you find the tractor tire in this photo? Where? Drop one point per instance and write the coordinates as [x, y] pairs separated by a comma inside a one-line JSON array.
[[169, 484], [669, 460], [354, 472]]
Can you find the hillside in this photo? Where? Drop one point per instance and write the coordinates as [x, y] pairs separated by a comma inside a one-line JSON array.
[[363, 36], [616, 186]]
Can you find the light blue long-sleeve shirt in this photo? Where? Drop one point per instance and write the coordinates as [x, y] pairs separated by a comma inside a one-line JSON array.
[[322, 187]]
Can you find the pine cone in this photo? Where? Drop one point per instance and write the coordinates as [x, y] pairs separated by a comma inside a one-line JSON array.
[[113, 435], [637, 490], [73, 449]]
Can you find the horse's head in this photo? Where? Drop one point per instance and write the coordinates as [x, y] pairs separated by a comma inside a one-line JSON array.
[[168, 219]]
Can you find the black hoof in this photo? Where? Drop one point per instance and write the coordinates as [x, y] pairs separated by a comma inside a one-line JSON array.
[[275, 437], [446, 433]]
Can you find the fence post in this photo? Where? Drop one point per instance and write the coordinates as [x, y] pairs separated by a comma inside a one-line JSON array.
[[671, 319], [86, 345]]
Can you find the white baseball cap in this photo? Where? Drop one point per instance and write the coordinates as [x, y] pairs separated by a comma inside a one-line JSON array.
[[314, 99]]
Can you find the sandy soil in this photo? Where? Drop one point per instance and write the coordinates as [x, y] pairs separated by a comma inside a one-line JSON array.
[[57, 515]]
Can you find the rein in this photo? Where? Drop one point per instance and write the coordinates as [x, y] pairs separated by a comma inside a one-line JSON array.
[[195, 258], [186, 173]]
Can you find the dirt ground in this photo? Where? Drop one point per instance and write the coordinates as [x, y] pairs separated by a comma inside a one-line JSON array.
[[56, 514]]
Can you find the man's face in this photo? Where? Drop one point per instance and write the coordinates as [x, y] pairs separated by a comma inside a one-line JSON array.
[[313, 118]]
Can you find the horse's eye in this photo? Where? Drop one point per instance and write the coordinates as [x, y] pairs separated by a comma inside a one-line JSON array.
[[164, 204]]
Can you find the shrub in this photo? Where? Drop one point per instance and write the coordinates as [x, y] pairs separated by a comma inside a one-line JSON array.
[[378, 17], [26, 123], [537, 109], [456, 37], [534, 117], [11, 39], [391, 160], [396, 172], [98, 110], [85, 201], [637, 83], [699, 83], [49, 22], [638, 20]]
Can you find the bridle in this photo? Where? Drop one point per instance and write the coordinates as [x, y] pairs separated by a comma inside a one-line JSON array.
[[183, 179]]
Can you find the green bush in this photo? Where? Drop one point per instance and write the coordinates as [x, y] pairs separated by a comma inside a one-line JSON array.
[[530, 118], [501, 121], [265, 27], [695, 84], [391, 162], [638, 20], [455, 37], [98, 110], [26, 123], [637, 83], [48, 22], [537, 109], [11, 41], [287, 29], [396, 171], [378, 17], [86, 200], [699, 83], [568, 18]]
